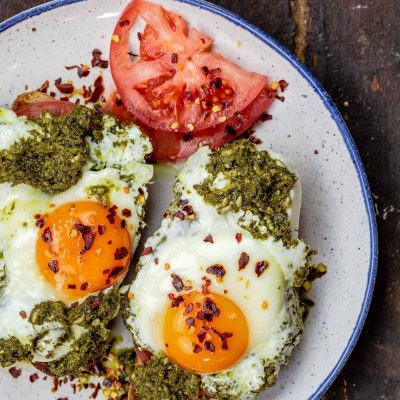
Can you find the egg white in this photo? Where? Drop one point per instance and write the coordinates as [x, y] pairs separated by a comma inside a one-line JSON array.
[[273, 331], [117, 162]]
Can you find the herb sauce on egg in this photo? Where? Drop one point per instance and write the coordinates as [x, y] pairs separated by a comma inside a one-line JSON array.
[[241, 177], [51, 158]]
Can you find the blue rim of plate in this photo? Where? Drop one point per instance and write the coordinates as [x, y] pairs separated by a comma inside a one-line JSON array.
[[329, 104]]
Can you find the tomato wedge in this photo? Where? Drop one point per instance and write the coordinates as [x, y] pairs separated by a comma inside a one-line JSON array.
[[177, 85], [55, 107], [173, 146]]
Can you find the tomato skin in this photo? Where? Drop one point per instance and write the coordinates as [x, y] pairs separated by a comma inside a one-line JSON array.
[[55, 107], [172, 65]]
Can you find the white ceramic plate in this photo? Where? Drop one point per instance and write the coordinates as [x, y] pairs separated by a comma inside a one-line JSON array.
[[337, 214]]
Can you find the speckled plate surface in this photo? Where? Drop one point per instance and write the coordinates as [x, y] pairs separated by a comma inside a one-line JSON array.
[[337, 214]]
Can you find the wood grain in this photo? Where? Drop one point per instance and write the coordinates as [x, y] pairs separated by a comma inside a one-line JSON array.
[[353, 48]]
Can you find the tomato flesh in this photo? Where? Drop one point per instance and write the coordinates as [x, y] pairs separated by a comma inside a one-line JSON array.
[[167, 89]]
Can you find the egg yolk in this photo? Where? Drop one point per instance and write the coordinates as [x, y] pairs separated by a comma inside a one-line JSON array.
[[205, 333], [82, 247]]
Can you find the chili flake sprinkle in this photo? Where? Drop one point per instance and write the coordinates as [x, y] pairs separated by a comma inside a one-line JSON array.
[[217, 270], [15, 372], [208, 239], [243, 260], [177, 282], [261, 266], [121, 253], [238, 237], [146, 251], [53, 265], [126, 212]]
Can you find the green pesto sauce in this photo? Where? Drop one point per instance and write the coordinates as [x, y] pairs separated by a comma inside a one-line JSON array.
[[52, 159], [160, 379], [101, 193], [12, 350], [255, 182], [90, 345]]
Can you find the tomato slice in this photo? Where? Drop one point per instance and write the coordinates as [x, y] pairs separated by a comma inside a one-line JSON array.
[[177, 145], [176, 85], [173, 146], [55, 107]]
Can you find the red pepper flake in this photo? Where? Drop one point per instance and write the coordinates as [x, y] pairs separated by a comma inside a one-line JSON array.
[[123, 224], [196, 348], [112, 212], [33, 377], [261, 266], [188, 309], [53, 265], [208, 346], [179, 214], [223, 337], [254, 140], [15, 372], [210, 307], [238, 237], [88, 236], [71, 286], [176, 301], [280, 98], [121, 253], [174, 58], [201, 336], [188, 209], [123, 23], [177, 282], [190, 322], [126, 212], [64, 88], [265, 117], [205, 285], [217, 270], [52, 94], [83, 70], [101, 229], [39, 221], [98, 90], [47, 236], [74, 304], [95, 303], [187, 137], [97, 61], [23, 314], [64, 98], [283, 85], [230, 130], [208, 239], [84, 286], [95, 392], [205, 70], [140, 36], [115, 272], [106, 271], [243, 260], [146, 251], [44, 87]]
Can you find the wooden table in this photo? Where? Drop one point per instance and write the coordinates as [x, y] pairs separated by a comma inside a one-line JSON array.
[[353, 48]]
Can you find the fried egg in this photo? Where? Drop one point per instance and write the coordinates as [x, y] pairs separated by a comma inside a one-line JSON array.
[[215, 298], [66, 247]]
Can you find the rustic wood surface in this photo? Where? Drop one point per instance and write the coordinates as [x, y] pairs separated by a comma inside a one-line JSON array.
[[353, 48]]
